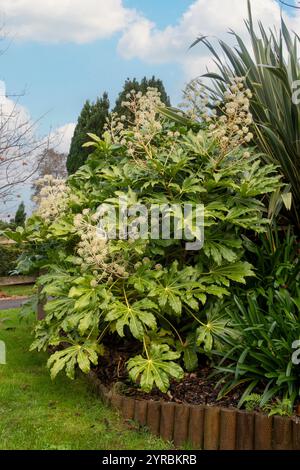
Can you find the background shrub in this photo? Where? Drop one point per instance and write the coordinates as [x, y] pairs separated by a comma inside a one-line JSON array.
[[9, 255]]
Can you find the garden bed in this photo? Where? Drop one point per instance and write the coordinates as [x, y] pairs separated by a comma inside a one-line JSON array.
[[200, 387], [205, 427], [196, 388]]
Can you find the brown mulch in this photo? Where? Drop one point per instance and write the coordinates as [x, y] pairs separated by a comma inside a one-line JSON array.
[[112, 367], [196, 388]]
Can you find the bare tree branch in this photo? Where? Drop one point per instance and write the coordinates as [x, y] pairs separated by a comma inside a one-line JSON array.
[[21, 152]]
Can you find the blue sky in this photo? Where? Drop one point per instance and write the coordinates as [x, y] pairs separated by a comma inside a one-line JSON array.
[[60, 56], [58, 78]]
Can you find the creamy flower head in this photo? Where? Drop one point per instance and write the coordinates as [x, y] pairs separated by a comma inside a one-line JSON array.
[[53, 197], [144, 121], [93, 247], [230, 125]]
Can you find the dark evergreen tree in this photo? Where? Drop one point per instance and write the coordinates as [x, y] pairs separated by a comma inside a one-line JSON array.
[[140, 86], [92, 119], [20, 216]]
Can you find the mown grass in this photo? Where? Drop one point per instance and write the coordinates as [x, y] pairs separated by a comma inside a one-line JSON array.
[[36, 413], [22, 290]]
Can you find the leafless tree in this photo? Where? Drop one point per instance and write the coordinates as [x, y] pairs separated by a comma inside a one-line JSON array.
[[53, 163], [21, 152]]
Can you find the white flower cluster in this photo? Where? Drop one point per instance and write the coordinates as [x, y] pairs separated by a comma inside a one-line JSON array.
[[144, 122], [230, 120], [195, 102], [93, 248], [53, 197], [173, 134], [232, 128]]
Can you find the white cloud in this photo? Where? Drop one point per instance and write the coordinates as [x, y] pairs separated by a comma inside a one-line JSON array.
[[62, 136], [78, 21], [11, 108], [81, 21], [143, 40]]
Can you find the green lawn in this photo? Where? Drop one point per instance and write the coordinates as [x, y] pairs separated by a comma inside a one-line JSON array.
[[36, 413], [22, 290]]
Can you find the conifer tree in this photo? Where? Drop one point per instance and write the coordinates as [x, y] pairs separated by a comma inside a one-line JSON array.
[[142, 86], [20, 216], [92, 119]]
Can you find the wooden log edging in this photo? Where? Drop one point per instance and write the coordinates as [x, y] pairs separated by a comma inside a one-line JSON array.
[[17, 280], [205, 427]]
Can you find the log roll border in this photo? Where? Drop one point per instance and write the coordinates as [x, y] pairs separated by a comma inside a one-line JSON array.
[[17, 280], [204, 427]]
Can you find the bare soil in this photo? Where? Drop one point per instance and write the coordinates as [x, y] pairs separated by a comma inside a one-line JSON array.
[[197, 388]]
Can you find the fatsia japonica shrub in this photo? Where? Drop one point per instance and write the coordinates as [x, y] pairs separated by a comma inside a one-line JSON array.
[[152, 292]]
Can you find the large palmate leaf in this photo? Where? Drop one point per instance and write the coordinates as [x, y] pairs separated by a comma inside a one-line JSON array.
[[58, 308], [156, 368], [56, 283], [87, 297], [260, 179], [174, 288], [62, 228], [214, 328], [136, 316], [233, 272], [220, 247], [82, 355]]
